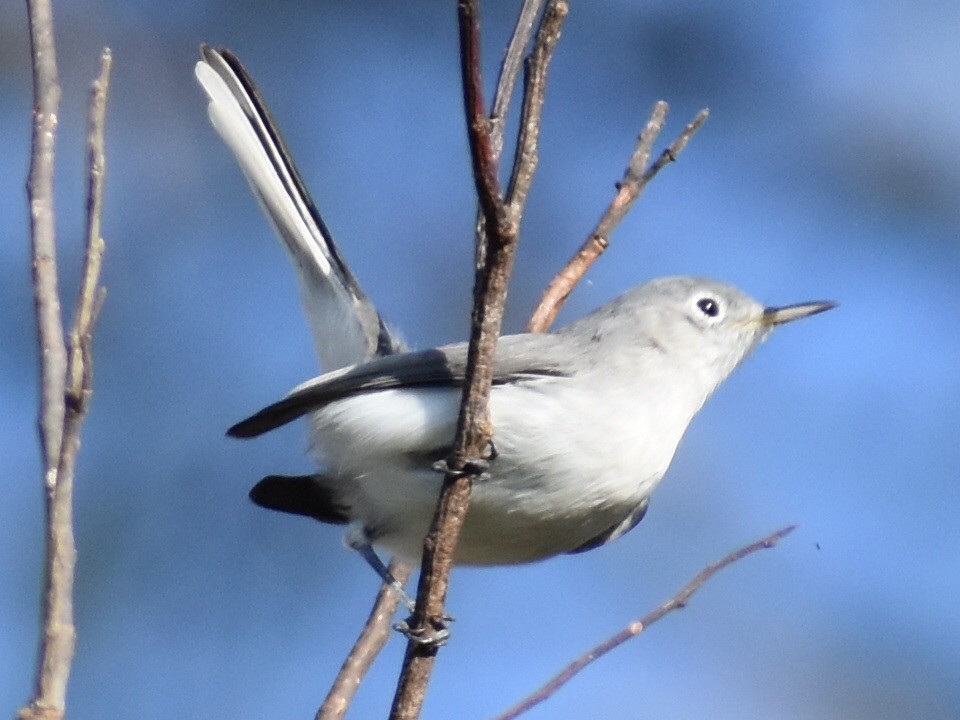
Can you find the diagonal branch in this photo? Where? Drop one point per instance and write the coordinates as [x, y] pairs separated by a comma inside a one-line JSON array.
[[676, 602], [376, 631], [628, 190]]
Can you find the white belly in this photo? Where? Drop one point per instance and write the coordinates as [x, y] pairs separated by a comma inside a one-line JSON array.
[[552, 487]]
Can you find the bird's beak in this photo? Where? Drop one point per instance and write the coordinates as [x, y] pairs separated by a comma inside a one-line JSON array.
[[779, 315]]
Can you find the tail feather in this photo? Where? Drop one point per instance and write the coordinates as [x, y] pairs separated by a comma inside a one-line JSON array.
[[346, 326], [306, 495]]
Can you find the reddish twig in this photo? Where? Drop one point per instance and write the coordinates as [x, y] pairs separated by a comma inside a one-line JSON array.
[[485, 161], [376, 630], [638, 626], [473, 425], [628, 190]]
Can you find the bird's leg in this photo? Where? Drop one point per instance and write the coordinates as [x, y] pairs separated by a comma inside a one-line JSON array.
[[356, 539]]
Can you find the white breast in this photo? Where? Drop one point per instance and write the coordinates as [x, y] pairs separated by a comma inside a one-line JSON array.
[[569, 465]]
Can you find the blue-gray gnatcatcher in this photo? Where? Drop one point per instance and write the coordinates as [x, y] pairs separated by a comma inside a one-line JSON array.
[[586, 419]]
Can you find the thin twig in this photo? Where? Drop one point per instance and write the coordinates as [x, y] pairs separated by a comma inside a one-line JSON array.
[[638, 626], [510, 71], [376, 631], [90, 299], [535, 77], [499, 108], [52, 350], [628, 191], [473, 425], [75, 387], [485, 160]]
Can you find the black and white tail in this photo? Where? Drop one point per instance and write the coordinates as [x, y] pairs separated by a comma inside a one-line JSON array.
[[346, 327]]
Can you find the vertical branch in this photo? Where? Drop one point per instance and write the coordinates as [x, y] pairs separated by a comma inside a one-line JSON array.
[[375, 631], [500, 107], [73, 380], [473, 425], [52, 351], [510, 70], [534, 91]]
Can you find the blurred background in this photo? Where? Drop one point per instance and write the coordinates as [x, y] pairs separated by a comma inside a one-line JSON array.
[[828, 170]]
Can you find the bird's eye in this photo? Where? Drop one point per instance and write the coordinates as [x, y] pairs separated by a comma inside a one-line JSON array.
[[709, 306]]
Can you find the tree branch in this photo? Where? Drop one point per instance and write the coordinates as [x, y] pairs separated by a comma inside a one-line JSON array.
[[376, 631], [676, 602], [500, 226], [535, 79], [52, 350], [67, 380], [628, 190], [499, 108], [510, 70]]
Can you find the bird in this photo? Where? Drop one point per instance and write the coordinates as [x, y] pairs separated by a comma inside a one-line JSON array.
[[586, 419]]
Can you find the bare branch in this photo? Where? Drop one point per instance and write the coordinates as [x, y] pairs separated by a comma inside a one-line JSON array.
[[473, 425], [485, 160], [74, 383], [628, 191], [52, 350], [376, 631], [638, 626], [526, 157], [80, 369], [510, 70]]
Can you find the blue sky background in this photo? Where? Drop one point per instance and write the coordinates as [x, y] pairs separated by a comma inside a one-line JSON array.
[[828, 169]]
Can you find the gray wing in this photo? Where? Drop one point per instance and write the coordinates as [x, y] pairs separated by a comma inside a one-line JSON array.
[[346, 326], [519, 358]]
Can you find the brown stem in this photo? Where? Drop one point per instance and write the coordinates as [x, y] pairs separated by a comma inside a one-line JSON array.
[[473, 424], [510, 70], [535, 79], [679, 600], [376, 631], [628, 191]]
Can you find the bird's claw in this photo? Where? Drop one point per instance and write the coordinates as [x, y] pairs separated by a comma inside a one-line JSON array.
[[432, 636]]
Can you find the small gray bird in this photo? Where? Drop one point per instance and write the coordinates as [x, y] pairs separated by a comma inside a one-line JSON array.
[[586, 419]]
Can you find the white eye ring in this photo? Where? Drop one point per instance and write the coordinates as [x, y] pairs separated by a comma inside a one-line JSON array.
[[709, 306]]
